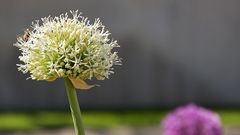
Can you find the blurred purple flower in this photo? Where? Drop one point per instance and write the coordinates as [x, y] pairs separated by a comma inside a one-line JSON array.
[[192, 120]]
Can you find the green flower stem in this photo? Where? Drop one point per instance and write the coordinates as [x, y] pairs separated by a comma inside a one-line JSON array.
[[74, 106]]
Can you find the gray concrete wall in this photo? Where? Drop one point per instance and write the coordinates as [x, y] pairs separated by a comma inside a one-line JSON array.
[[173, 52]]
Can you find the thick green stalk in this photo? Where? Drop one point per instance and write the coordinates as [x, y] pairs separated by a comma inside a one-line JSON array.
[[74, 106]]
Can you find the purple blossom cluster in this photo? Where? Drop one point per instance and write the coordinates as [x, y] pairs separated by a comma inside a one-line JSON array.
[[192, 120]]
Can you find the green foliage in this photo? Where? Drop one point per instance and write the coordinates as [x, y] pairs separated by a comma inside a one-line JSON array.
[[20, 121], [116, 119], [230, 118], [32, 121]]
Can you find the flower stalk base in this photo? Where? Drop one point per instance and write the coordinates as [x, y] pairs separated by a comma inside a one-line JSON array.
[[74, 106]]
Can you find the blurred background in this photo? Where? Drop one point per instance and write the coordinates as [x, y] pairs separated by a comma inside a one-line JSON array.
[[174, 52]]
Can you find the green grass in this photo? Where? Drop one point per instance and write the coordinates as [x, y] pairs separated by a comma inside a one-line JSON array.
[[32, 121], [230, 118], [95, 119], [116, 119]]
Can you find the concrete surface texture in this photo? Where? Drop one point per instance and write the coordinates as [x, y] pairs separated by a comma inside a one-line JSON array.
[[173, 52], [115, 131]]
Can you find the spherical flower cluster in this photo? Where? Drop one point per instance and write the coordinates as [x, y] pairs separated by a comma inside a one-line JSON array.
[[192, 120], [67, 47]]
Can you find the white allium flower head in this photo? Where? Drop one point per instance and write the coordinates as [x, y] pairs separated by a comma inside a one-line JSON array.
[[66, 46]]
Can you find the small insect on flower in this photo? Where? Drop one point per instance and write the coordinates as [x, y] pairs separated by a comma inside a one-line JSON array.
[[26, 35]]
